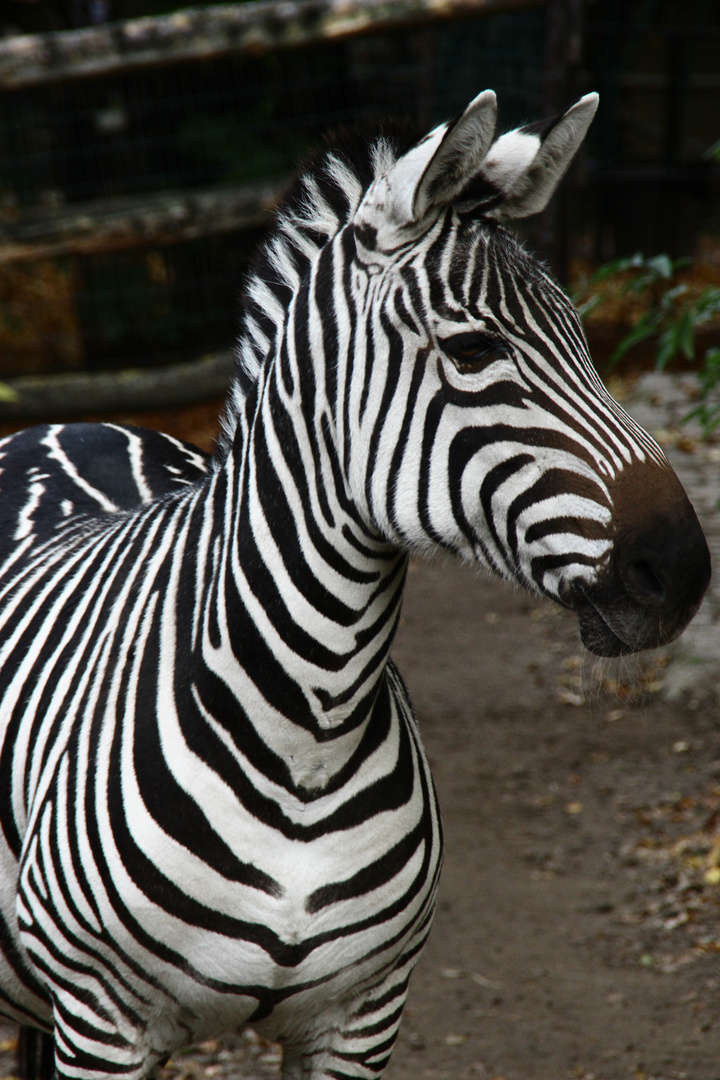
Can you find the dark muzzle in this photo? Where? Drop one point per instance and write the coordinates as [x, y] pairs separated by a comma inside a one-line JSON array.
[[658, 570]]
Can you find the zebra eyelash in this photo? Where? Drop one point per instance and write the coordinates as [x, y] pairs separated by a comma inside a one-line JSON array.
[[473, 351]]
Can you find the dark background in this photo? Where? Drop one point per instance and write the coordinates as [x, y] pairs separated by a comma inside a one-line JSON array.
[[648, 179]]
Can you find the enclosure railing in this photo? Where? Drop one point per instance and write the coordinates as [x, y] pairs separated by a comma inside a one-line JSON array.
[[125, 214], [224, 30]]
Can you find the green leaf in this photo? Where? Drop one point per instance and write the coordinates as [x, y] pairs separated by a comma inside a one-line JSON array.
[[707, 415], [685, 335], [707, 305], [584, 309], [667, 347], [668, 298], [643, 329], [7, 393], [678, 337], [709, 376], [617, 266], [661, 266], [707, 412]]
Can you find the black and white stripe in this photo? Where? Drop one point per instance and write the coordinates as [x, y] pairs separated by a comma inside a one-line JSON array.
[[215, 805]]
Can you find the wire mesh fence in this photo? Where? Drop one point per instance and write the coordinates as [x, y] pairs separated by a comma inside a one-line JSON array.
[[139, 161], [138, 142]]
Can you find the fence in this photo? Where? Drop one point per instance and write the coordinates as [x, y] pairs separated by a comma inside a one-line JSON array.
[[139, 162], [656, 181]]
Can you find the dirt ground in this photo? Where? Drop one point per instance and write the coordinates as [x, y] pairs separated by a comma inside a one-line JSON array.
[[578, 929], [574, 936]]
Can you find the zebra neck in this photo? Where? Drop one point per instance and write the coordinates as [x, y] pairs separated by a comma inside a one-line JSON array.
[[307, 598]]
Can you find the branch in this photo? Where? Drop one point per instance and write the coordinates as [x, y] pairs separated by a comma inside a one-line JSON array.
[[136, 222], [77, 393], [228, 30]]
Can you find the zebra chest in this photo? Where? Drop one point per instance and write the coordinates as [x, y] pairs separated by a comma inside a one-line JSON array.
[[280, 896], [187, 864], [254, 885]]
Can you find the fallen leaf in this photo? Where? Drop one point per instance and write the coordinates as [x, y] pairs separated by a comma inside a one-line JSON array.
[[567, 697], [482, 981]]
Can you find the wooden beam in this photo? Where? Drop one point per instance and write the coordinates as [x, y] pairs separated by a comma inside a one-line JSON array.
[[76, 393], [227, 30], [136, 222]]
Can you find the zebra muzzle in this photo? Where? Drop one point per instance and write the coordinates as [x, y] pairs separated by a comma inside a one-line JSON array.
[[658, 570]]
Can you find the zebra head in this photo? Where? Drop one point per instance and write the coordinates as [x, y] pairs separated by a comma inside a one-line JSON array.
[[452, 376], [488, 431]]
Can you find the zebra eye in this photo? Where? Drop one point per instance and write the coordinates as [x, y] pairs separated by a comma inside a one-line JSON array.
[[474, 351]]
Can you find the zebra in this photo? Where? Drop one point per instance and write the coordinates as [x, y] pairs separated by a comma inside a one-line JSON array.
[[215, 805]]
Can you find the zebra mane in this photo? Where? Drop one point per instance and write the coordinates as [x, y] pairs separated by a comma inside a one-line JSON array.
[[322, 196]]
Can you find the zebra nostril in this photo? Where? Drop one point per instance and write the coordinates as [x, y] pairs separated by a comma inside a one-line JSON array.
[[643, 583]]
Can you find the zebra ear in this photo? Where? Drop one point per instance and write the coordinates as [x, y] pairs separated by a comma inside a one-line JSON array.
[[431, 174], [523, 167], [435, 171]]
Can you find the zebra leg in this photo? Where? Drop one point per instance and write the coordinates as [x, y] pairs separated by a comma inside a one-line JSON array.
[[360, 1048], [91, 1046], [36, 1054]]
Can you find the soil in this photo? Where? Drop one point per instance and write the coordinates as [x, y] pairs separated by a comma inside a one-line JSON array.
[[566, 943], [578, 930]]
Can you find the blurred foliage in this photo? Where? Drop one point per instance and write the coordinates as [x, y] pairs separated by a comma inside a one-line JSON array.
[[707, 411], [39, 325], [665, 311]]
